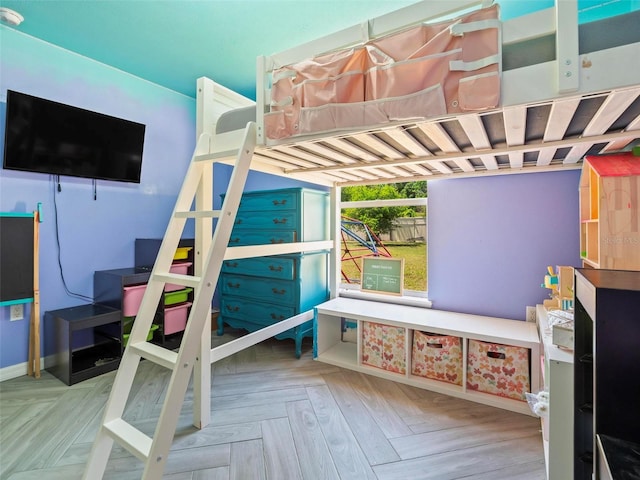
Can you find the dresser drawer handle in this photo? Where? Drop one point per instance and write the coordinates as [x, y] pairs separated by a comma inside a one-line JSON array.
[[277, 240], [277, 317], [233, 285], [279, 292], [280, 202], [231, 264], [275, 268], [233, 309], [234, 240], [278, 221], [238, 221]]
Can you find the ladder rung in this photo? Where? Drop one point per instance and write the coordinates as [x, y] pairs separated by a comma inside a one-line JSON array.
[[186, 280], [129, 437], [198, 214], [215, 156], [156, 354]]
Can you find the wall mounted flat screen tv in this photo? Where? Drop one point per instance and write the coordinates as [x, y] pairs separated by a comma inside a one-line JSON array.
[[50, 137]]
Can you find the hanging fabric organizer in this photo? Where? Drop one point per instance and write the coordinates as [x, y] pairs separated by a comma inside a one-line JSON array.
[[426, 71]]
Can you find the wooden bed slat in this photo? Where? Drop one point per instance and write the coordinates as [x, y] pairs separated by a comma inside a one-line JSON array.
[[419, 169], [297, 153], [327, 152], [378, 145], [515, 120], [560, 116], [351, 149], [465, 165], [489, 161], [474, 129], [516, 159], [407, 140], [439, 136], [611, 109], [441, 167], [545, 156], [576, 153]]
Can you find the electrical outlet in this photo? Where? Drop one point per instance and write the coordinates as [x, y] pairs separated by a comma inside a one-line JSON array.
[[17, 312], [531, 314]]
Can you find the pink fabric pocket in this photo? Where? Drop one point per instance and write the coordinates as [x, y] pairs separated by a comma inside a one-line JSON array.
[[421, 72], [423, 104], [479, 92]]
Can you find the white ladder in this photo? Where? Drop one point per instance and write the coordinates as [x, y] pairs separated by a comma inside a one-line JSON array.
[[153, 451]]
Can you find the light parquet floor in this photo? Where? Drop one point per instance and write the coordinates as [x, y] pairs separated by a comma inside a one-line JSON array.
[[272, 417]]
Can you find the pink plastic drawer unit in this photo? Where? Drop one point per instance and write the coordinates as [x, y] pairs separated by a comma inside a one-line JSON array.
[[175, 318], [438, 357], [131, 299], [501, 370], [181, 268], [383, 347]]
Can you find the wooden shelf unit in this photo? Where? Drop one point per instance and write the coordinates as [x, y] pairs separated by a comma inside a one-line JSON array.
[[329, 346], [609, 211], [557, 426], [606, 369]]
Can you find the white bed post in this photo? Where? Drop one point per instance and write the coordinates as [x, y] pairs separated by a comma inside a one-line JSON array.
[[203, 236], [335, 257], [261, 96], [567, 46]]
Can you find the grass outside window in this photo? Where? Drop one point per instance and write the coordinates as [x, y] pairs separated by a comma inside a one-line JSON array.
[[415, 264]]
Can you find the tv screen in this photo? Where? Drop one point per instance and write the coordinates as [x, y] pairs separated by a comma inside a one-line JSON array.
[[50, 137]]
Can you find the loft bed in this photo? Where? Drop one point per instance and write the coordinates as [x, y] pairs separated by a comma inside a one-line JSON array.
[[563, 91], [551, 90]]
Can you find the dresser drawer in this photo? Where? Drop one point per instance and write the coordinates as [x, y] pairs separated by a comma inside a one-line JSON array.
[[269, 267], [286, 220], [261, 237], [254, 288], [260, 313], [270, 200], [302, 210]]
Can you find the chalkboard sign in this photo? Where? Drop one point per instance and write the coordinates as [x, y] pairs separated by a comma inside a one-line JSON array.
[[382, 275], [16, 257]]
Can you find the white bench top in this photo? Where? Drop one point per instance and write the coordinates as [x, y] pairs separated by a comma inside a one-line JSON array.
[[489, 329]]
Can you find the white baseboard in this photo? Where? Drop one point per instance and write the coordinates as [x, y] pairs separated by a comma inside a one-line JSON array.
[[17, 370]]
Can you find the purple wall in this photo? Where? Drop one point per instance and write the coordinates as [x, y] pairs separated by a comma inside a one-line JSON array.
[[492, 238], [94, 234], [80, 235]]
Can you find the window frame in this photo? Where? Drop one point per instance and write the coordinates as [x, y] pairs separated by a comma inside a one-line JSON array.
[[409, 297]]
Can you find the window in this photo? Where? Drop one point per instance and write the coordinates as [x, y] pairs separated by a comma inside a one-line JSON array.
[[393, 227]]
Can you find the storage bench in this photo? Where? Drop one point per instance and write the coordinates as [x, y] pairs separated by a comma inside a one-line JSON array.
[[450, 364]]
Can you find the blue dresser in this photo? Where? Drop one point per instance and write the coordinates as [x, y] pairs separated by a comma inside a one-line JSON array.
[[257, 292]]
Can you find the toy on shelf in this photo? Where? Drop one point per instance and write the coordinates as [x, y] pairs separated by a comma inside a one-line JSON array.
[[560, 283]]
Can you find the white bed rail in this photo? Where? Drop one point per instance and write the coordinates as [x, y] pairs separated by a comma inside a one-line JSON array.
[[213, 100]]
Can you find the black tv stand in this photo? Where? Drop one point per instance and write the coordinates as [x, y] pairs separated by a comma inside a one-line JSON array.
[[87, 341]]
